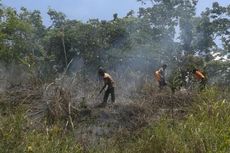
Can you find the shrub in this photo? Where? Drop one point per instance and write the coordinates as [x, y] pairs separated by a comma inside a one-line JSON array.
[[205, 129], [17, 137]]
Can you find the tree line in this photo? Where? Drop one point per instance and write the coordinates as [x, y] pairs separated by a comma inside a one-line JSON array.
[[151, 33]]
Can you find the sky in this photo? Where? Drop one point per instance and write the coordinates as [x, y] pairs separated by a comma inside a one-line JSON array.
[[84, 10]]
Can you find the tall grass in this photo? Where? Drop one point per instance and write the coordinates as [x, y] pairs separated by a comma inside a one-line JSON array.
[[206, 129], [17, 137]]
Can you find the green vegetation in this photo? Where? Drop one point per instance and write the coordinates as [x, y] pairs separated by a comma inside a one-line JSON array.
[[17, 136], [204, 129], [49, 87], [149, 36]]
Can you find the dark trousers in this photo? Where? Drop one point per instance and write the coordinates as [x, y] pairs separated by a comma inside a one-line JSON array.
[[106, 95], [162, 83]]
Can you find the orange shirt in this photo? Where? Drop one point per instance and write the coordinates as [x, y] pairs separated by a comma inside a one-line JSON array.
[[160, 74], [157, 75], [198, 75]]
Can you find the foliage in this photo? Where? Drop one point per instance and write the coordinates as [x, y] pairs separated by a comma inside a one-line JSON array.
[[16, 136], [132, 47], [14, 34], [219, 72], [150, 35], [203, 130]]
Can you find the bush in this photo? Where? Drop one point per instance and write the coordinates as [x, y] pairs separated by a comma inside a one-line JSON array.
[[17, 137], [205, 129], [219, 72]]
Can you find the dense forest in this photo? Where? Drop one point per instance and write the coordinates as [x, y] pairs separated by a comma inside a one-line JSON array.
[[49, 81]]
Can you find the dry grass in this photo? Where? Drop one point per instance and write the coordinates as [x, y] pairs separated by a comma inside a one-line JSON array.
[[70, 103]]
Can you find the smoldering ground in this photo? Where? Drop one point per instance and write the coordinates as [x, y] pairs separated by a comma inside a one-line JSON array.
[[72, 99]]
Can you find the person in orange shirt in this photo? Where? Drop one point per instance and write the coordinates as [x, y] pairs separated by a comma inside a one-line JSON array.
[[109, 82], [200, 77], [160, 76]]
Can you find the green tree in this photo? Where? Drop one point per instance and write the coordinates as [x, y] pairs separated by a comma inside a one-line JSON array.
[[221, 23], [14, 36], [186, 12]]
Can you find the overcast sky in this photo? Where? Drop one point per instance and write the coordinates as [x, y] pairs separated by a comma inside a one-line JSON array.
[[88, 9]]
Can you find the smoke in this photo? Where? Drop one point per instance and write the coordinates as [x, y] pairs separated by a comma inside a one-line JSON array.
[[13, 75], [131, 67], [76, 65]]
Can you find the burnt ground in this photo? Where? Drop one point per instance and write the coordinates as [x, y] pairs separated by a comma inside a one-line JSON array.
[[92, 124]]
